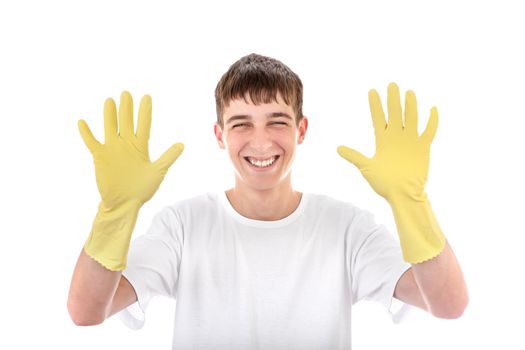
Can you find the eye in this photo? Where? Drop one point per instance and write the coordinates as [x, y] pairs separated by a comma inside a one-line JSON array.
[[240, 125], [279, 123]]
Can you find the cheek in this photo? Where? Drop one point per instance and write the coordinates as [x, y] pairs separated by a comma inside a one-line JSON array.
[[286, 139], [234, 144]]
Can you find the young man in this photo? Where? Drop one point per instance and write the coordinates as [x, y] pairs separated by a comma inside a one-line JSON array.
[[261, 265]]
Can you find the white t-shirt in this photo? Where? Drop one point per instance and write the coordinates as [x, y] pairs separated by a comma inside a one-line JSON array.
[[249, 284]]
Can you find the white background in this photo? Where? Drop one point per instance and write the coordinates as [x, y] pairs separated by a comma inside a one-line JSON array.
[[59, 61]]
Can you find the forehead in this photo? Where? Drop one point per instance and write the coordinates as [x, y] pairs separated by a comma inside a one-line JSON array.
[[245, 106]]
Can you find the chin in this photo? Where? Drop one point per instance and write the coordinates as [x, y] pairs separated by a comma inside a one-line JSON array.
[[259, 183]]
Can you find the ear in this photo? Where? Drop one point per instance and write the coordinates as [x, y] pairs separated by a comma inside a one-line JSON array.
[[218, 135], [301, 129]]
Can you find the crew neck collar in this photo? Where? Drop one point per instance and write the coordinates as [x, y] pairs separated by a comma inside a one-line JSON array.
[[263, 223]]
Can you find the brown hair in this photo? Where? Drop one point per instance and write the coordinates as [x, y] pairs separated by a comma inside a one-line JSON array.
[[262, 78]]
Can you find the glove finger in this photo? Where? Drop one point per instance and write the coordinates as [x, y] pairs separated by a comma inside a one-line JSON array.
[[170, 156], [86, 134], [378, 116], [395, 120], [353, 156], [125, 113], [411, 113], [430, 130], [110, 120], [144, 119]]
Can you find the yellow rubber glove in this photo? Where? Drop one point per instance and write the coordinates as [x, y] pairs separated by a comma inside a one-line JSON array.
[[398, 172], [126, 178]]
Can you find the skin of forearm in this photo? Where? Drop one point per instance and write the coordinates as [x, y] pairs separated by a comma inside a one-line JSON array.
[[91, 291], [442, 285]]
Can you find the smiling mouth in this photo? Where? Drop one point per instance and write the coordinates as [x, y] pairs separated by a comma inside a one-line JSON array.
[[261, 163]]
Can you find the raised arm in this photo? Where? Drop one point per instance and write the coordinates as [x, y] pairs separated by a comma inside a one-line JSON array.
[[398, 172], [96, 292], [126, 179]]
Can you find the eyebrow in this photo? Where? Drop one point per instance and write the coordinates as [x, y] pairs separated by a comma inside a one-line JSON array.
[[247, 116]]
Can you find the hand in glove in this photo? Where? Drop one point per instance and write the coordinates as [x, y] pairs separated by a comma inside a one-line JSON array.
[[398, 172], [126, 178]]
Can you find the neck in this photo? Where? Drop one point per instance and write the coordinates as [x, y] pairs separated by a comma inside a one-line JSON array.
[[266, 205]]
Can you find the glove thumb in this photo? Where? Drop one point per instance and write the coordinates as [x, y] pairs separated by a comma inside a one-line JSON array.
[[353, 156], [90, 141], [169, 157]]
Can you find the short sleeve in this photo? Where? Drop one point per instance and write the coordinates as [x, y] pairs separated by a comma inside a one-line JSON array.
[[376, 261], [153, 265]]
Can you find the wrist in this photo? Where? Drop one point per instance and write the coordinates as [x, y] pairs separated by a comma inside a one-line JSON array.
[[419, 232], [108, 242], [119, 207]]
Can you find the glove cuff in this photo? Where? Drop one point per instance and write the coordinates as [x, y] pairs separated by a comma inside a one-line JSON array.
[[420, 236], [108, 242]]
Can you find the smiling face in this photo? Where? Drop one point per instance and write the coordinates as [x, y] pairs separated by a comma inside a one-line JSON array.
[[261, 141]]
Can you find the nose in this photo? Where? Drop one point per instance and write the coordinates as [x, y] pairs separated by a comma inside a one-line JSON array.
[[261, 140]]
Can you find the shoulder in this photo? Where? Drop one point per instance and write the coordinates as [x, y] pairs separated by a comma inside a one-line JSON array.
[[177, 218], [210, 199], [324, 204], [191, 208], [336, 211]]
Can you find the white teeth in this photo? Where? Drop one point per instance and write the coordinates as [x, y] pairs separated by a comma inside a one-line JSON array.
[[262, 163]]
